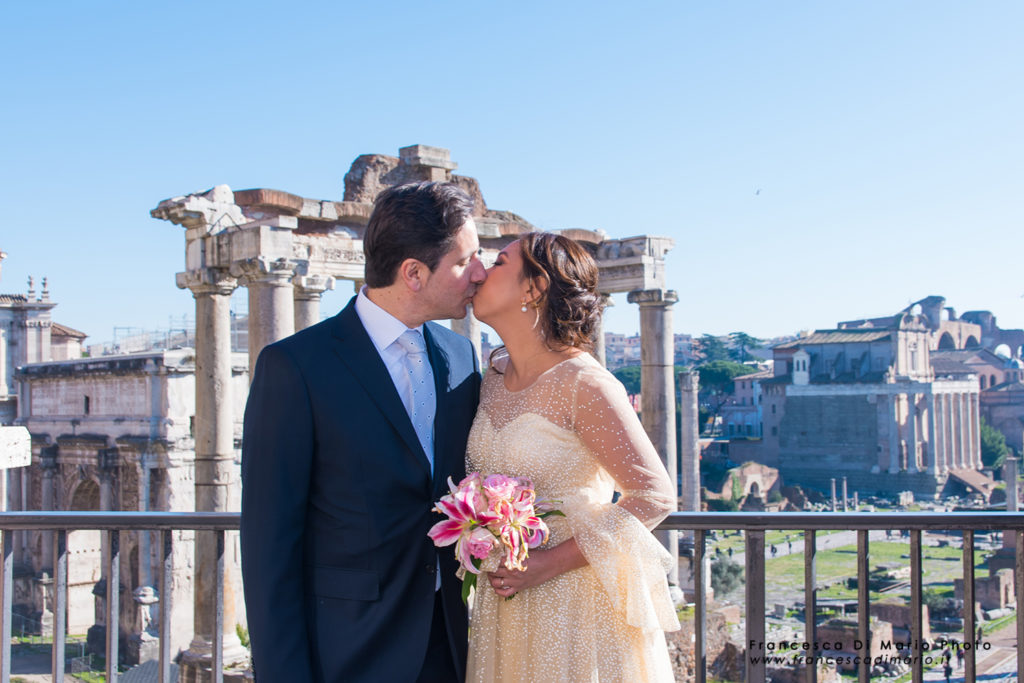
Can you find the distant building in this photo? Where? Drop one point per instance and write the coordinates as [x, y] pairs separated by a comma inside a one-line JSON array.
[[742, 416], [28, 335], [864, 401], [622, 350], [112, 433]]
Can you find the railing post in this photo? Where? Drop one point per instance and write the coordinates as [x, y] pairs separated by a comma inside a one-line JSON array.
[[218, 622], [6, 601], [811, 601], [1018, 576], [970, 663], [754, 555], [916, 618], [113, 600], [700, 622], [166, 583], [863, 607], [60, 601]]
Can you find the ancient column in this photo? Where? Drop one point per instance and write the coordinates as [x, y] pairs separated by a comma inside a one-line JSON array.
[[834, 503], [307, 294], [912, 437], [846, 507], [271, 302], [689, 468], [469, 327], [949, 435], [108, 461], [933, 433], [894, 427], [214, 460], [963, 426], [976, 432], [599, 344], [657, 391], [939, 432], [48, 463]]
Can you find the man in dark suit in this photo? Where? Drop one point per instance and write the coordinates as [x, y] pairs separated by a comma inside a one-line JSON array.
[[352, 429]]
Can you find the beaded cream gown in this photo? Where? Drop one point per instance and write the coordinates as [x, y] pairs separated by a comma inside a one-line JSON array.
[[574, 433]]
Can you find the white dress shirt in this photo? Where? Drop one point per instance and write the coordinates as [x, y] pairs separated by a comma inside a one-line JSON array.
[[384, 330]]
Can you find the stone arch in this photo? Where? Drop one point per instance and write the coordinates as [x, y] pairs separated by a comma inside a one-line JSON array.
[[1003, 350], [946, 342], [972, 342], [992, 380], [982, 379], [755, 490], [86, 496]]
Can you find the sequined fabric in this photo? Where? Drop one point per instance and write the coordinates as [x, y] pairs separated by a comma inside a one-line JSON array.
[[574, 433]]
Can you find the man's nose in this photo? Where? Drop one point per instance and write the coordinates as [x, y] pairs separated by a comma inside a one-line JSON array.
[[479, 272]]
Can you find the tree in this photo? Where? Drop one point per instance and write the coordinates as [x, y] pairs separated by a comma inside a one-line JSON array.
[[741, 343], [993, 446], [712, 348], [726, 576], [716, 385], [630, 378]]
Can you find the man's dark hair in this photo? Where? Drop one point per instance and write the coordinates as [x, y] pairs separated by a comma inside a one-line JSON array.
[[417, 220]]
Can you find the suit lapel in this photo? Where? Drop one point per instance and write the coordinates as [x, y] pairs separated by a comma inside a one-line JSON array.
[[358, 353], [440, 367]]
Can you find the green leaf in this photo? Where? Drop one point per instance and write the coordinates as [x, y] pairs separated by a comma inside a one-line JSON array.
[[549, 513], [468, 581]]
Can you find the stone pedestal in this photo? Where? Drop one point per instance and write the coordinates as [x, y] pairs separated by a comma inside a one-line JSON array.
[[658, 408]]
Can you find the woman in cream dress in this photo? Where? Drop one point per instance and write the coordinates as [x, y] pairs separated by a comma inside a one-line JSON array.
[[593, 602]]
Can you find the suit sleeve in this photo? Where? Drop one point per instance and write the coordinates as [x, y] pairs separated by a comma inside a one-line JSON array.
[[277, 455]]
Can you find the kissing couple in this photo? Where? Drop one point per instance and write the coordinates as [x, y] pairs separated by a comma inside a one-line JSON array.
[[354, 426]]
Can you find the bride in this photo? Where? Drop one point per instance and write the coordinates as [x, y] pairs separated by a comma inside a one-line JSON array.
[[593, 603]]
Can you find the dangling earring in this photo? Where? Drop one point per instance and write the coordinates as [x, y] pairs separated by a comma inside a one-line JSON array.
[[523, 307]]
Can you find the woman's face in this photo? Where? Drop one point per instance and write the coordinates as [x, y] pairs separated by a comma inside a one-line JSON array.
[[505, 287]]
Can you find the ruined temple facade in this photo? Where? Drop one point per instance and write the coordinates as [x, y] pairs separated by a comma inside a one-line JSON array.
[[864, 402], [161, 430]]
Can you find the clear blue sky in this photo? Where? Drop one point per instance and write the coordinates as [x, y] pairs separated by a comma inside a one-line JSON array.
[[814, 161]]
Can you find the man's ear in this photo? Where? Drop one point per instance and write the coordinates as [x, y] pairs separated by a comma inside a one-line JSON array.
[[413, 273]]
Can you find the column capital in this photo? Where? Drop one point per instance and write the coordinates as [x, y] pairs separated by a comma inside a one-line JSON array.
[[207, 281], [261, 270], [607, 301], [311, 287], [653, 297]]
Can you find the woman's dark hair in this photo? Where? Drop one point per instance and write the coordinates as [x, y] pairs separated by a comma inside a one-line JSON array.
[[417, 220], [565, 275]]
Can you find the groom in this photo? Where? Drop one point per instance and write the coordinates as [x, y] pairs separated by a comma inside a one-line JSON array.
[[352, 428]]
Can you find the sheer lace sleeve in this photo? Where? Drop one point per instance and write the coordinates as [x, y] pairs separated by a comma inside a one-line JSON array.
[[615, 538]]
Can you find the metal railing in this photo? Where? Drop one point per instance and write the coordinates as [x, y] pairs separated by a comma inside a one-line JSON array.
[[753, 525], [112, 524]]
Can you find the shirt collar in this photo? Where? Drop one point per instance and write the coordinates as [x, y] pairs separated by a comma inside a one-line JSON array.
[[382, 327]]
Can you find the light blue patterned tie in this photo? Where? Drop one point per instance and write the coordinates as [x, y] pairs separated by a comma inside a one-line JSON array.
[[424, 401]]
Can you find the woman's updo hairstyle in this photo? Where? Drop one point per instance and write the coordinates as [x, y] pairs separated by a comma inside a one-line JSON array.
[[564, 275]]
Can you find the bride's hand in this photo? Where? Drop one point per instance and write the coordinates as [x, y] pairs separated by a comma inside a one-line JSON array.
[[539, 568]]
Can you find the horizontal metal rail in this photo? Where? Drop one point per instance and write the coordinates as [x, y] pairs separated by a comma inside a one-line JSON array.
[[753, 524]]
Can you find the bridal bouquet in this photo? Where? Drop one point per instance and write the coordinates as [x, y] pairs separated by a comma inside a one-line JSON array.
[[490, 515]]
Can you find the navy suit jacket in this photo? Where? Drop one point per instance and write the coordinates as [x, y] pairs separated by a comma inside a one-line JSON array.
[[339, 573]]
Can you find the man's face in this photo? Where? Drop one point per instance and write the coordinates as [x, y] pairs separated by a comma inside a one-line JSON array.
[[451, 286]]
